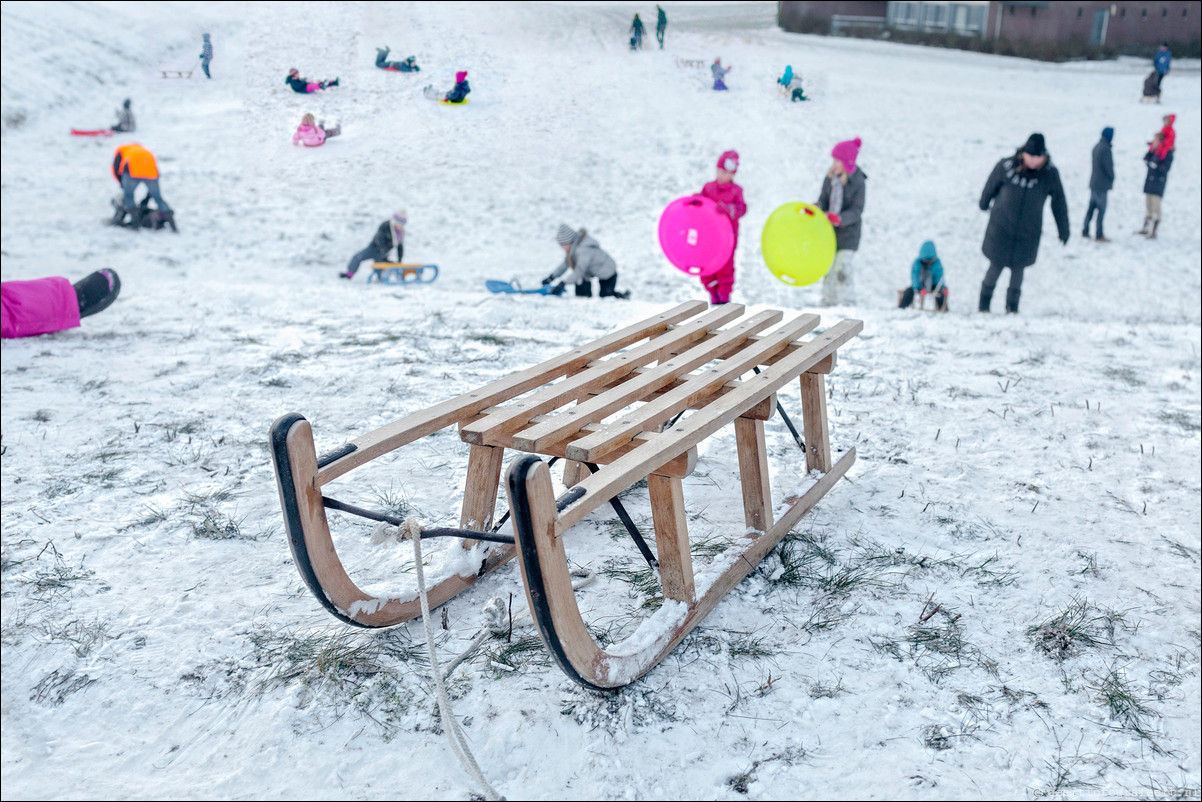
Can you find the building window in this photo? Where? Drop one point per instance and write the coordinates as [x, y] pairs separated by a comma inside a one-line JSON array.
[[1012, 11], [1143, 14], [1033, 10], [1164, 12], [1122, 12], [1078, 12], [1184, 11]]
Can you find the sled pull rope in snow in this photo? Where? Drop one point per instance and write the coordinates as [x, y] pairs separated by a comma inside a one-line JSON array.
[[450, 724]]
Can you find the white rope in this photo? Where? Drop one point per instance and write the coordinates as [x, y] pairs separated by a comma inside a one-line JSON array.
[[450, 724]]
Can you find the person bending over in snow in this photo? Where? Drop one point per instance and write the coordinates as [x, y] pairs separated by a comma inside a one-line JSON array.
[[926, 276], [305, 86], [584, 257], [390, 233], [719, 73], [729, 196], [125, 119], [842, 198], [408, 65], [51, 304], [311, 134], [134, 165], [798, 94]]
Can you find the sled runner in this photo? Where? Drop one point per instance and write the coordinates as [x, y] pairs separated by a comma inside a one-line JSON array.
[[402, 273], [176, 73], [629, 406], [495, 285], [93, 132]]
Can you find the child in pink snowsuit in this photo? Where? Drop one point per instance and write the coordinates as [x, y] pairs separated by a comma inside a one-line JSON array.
[[729, 197], [51, 304], [311, 134]]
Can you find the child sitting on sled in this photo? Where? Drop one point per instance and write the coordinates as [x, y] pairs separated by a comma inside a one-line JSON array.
[[408, 65], [926, 276], [305, 86], [460, 91], [311, 134], [390, 233]]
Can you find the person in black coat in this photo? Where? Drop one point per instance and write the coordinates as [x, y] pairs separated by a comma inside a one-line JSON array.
[[391, 232], [1101, 180], [1017, 189], [1158, 175]]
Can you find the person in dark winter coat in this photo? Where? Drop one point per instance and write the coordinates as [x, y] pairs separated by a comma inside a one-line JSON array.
[[390, 233], [1101, 180], [206, 54], [586, 261], [842, 198], [408, 65], [1164, 57], [305, 86], [1158, 175], [926, 276], [460, 90], [1017, 189], [125, 119], [661, 25], [636, 33]]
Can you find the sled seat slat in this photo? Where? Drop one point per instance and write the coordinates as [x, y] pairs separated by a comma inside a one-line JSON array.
[[427, 421], [625, 471]]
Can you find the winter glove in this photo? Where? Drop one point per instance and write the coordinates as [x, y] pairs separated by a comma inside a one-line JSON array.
[[558, 289], [548, 280], [834, 218]]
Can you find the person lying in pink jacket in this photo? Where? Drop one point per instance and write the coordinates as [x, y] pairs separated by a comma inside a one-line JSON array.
[[311, 134], [51, 304]]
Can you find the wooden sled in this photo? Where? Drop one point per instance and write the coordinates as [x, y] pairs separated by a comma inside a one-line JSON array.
[[631, 405], [402, 273], [176, 73]]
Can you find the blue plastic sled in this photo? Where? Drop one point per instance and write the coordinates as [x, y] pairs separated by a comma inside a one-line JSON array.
[[506, 286]]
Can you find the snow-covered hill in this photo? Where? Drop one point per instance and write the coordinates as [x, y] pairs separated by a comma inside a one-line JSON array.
[[1014, 472]]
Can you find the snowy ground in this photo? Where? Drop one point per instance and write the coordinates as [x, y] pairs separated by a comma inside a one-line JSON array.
[[1015, 473]]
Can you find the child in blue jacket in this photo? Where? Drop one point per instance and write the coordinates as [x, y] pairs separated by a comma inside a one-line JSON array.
[[926, 276]]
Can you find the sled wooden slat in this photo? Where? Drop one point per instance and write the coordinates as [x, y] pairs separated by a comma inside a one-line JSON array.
[[439, 416], [597, 408], [633, 405], [627, 470], [590, 448], [514, 416]]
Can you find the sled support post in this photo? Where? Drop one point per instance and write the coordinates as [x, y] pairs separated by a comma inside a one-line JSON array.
[[672, 538], [480, 490], [753, 473], [813, 415], [573, 472]]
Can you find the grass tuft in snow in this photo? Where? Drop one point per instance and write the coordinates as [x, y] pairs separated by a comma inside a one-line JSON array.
[[1081, 625]]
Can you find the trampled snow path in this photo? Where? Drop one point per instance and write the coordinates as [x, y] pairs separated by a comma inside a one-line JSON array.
[[156, 639]]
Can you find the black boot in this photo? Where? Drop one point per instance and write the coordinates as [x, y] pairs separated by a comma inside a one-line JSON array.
[[907, 298], [1152, 233], [97, 291], [1012, 296], [169, 219], [986, 299], [1144, 230]]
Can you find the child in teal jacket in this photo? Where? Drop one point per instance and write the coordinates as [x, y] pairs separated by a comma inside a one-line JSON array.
[[926, 276]]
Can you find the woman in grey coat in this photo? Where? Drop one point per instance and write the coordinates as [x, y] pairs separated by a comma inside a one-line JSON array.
[[586, 261]]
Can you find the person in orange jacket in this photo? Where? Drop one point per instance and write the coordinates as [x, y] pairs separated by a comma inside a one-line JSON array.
[[133, 165]]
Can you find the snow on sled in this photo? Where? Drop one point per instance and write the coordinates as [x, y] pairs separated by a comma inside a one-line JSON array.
[[630, 406], [402, 273], [495, 285], [92, 132]]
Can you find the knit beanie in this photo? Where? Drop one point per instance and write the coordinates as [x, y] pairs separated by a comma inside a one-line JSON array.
[[1108, 134], [1035, 146], [400, 218], [729, 161], [847, 152], [461, 76], [566, 235]]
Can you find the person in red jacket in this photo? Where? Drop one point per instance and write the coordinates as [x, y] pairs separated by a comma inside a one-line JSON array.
[[729, 196]]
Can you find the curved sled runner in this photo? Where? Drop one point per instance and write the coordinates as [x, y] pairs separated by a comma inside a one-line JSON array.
[[632, 405]]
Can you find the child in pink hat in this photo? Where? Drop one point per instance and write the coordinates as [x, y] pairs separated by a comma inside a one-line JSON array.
[[729, 196], [842, 198], [459, 92]]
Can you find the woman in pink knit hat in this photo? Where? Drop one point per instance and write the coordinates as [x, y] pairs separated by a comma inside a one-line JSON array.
[[729, 196], [842, 198]]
